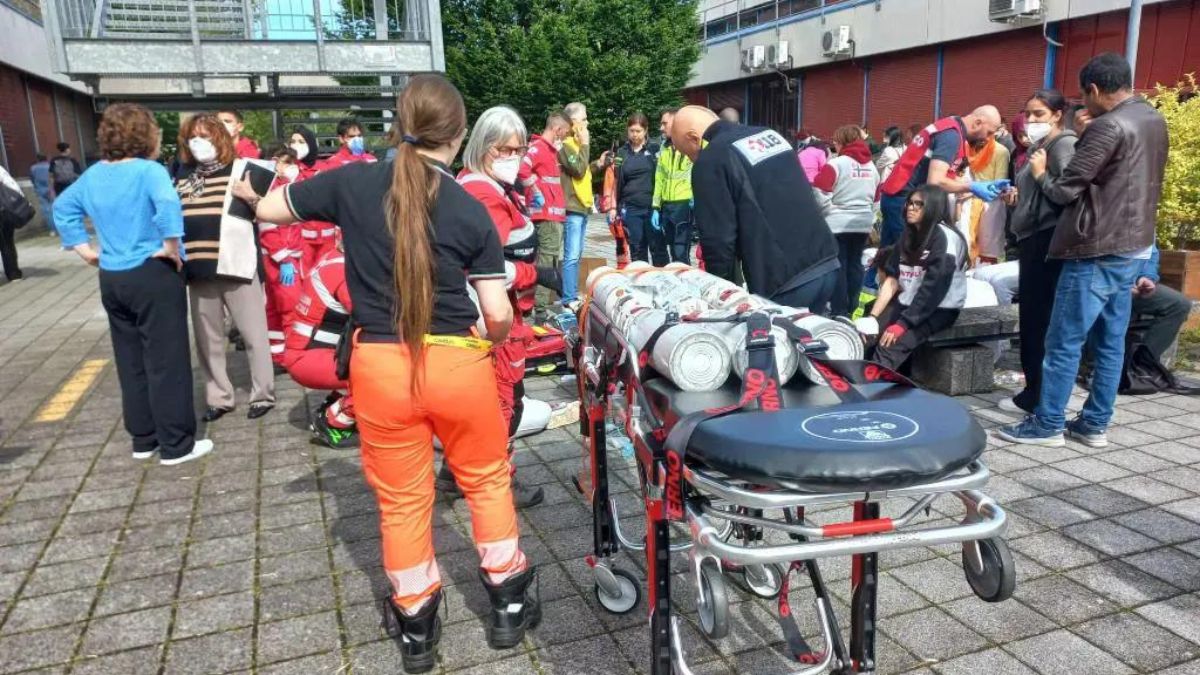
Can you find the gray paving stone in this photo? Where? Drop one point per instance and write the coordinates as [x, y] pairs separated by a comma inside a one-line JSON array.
[[79, 546], [1062, 652], [208, 581], [126, 631], [143, 660], [382, 657], [1137, 642], [209, 552], [64, 577], [933, 634], [125, 596], [35, 649], [307, 597], [298, 538], [1134, 460], [1161, 525], [1188, 508], [517, 665], [1055, 551], [593, 655], [991, 662], [292, 638], [999, 622], [99, 500], [214, 614], [1163, 429], [293, 567], [153, 513], [209, 526], [168, 534], [295, 513], [939, 579], [1109, 537], [93, 521], [1063, 600], [329, 663], [49, 610], [27, 531], [218, 653], [1102, 499], [20, 557], [1148, 490], [1171, 565], [1122, 583], [136, 564], [565, 621]]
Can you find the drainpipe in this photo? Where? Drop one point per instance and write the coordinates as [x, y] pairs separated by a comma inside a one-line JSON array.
[[1050, 70], [746, 104], [937, 91], [866, 94], [1132, 34]]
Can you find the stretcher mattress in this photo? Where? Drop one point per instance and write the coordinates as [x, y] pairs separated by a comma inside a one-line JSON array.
[[899, 438]]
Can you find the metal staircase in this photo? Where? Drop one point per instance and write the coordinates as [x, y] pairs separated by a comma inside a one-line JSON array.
[[250, 53]]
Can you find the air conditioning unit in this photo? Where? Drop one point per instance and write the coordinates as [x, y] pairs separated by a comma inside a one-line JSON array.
[[758, 56], [1011, 10], [782, 57], [746, 57], [837, 42]]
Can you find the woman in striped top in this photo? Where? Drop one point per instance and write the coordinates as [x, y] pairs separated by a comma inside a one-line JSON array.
[[218, 284]]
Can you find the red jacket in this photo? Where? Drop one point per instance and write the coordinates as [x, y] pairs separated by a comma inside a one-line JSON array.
[[516, 233], [324, 306], [247, 149], [343, 157], [281, 243], [540, 169]]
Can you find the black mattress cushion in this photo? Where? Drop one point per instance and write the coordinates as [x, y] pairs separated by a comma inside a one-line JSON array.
[[899, 438]]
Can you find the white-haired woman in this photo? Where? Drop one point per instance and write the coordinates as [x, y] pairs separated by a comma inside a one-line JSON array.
[[491, 158]]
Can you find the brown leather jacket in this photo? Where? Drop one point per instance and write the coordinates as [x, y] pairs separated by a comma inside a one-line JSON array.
[[1112, 185]]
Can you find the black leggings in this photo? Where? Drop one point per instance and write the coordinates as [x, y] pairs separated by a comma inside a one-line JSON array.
[[897, 355]]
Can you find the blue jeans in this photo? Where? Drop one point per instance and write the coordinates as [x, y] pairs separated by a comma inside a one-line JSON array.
[[573, 231], [47, 205], [1092, 301], [645, 243], [890, 231]]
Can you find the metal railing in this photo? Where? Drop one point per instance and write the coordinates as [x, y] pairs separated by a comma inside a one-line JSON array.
[[29, 8], [330, 20]]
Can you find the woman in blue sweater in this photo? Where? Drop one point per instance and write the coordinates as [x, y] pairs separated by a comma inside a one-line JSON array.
[[136, 213]]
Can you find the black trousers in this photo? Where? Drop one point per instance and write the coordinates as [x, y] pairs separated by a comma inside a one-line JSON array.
[[1035, 301], [812, 295], [897, 355], [850, 277], [1169, 309], [676, 221], [147, 315], [8, 251]]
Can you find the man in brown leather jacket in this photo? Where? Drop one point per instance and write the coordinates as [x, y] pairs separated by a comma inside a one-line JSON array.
[[1111, 190]]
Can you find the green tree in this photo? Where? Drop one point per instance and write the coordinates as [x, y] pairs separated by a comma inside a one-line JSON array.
[[616, 56]]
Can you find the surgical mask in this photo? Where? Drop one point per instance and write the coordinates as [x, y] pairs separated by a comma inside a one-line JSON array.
[[301, 149], [203, 150], [356, 146], [1036, 131], [290, 172], [505, 169]]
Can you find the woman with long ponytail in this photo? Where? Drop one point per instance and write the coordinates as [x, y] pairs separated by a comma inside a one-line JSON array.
[[414, 241]]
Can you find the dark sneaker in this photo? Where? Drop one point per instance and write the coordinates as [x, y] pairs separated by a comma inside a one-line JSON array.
[[1093, 437], [516, 608], [1030, 432], [418, 634], [333, 437]]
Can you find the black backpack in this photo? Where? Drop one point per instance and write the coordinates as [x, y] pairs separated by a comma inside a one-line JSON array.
[[15, 210], [63, 169], [1144, 374]]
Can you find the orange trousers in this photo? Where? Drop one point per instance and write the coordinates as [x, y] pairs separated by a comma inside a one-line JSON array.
[[456, 399]]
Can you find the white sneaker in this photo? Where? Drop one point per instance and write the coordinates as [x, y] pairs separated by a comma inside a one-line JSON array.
[[200, 449], [1010, 405], [139, 456]]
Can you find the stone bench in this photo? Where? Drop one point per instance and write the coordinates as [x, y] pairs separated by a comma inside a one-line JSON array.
[[956, 360]]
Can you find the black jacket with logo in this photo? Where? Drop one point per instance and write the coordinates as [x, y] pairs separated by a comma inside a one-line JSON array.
[[754, 204]]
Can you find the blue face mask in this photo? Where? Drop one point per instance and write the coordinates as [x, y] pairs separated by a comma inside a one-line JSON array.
[[356, 145]]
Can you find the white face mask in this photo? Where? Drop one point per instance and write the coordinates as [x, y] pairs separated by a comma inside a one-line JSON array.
[[1036, 131], [290, 172], [301, 149], [202, 150], [505, 169]]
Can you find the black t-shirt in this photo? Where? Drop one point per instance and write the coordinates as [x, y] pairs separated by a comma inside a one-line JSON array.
[[465, 244]]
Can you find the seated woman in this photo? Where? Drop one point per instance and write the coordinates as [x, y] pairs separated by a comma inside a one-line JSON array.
[[925, 282]]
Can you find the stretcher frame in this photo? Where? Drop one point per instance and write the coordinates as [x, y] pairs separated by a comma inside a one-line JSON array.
[[714, 507]]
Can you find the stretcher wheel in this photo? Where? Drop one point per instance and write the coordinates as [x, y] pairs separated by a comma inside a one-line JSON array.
[[998, 578], [628, 599], [713, 601], [765, 581]]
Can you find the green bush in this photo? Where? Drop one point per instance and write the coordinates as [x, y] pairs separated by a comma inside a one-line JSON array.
[[1179, 209]]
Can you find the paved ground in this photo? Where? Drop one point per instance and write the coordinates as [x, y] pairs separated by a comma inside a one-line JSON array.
[[264, 557]]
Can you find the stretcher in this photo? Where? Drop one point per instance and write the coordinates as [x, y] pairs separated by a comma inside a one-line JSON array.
[[739, 479]]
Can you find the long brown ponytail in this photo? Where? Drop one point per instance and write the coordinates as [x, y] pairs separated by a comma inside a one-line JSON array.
[[430, 114]]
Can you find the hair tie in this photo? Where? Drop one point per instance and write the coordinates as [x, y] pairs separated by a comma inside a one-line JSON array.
[[409, 139]]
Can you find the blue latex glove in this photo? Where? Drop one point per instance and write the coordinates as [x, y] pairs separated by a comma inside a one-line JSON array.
[[987, 190], [287, 274], [692, 203], [654, 224], [538, 200]]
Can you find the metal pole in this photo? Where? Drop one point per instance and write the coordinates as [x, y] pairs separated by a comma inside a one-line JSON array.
[[1134, 32], [196, 49], [319, 24], [32, 120], [434, 28], [248, 19]]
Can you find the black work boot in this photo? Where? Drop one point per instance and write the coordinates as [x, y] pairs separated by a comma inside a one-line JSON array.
[[516, 608], [523, 496], [418, 634]]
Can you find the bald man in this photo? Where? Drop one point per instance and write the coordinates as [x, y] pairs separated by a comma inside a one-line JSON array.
[[754, 204], [938, 156], [731, 115]]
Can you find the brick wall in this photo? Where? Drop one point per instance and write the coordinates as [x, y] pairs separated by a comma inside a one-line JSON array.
[[1003, 70], [14, 120], [1168, 47], [21, 143]]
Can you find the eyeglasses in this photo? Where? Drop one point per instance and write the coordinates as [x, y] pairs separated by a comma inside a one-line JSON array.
[[509, 150], [914, 204]]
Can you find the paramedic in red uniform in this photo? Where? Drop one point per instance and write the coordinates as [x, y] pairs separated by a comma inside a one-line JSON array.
[[937, 156], [318, 236], [353, 146], [245, 147], [540, 177], [414, 240], [319, 320], [283, 253], [492, 158]]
